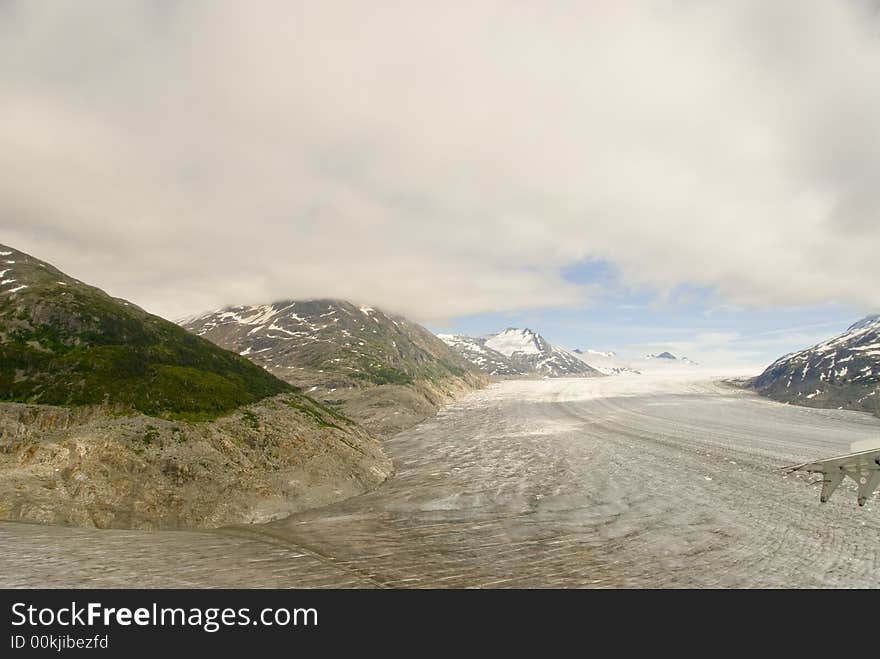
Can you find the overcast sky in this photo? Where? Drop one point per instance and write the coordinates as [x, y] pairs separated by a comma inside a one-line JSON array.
[[444, 159]]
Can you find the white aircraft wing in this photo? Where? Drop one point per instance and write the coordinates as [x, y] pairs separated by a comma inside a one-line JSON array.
[[863, 467]]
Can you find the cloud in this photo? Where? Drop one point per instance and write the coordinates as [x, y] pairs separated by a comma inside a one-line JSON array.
[[442, 159], [735, 351]]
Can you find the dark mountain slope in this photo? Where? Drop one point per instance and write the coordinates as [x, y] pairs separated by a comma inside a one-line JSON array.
[[382, 370], [63, 342], [843, 372]]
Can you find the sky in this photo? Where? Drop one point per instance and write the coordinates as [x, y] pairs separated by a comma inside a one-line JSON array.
[[722, 339], [700, 175]]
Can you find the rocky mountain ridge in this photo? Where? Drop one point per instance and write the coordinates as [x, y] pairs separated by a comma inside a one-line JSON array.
[[516, 352], [842, 372], [380, 369]]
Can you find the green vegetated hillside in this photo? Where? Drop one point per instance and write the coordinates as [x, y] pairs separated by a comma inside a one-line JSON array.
[[63, 342], [113, 417]]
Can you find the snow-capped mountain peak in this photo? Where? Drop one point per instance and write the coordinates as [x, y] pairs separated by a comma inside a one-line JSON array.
[[518, 352], [607, 362], [662, 355], [514, 340]]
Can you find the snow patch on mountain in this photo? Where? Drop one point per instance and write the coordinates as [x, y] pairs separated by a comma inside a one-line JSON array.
[[607, 362], [474, 350], [842, 372], [518, 352], [335, 343], [8, 281], [512, 340]]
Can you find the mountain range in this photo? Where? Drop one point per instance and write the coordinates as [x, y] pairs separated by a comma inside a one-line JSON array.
[[668, 357], [842, 372], [607, 362], [113, 417], [517, 352], [382, 370]]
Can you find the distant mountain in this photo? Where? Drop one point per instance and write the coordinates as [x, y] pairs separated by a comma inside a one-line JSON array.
[[382, 370], [63, 342], [663, 355], [607, 362], [518, 353], [667, 359], [489, 361], [842, 372], [595, 353]]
